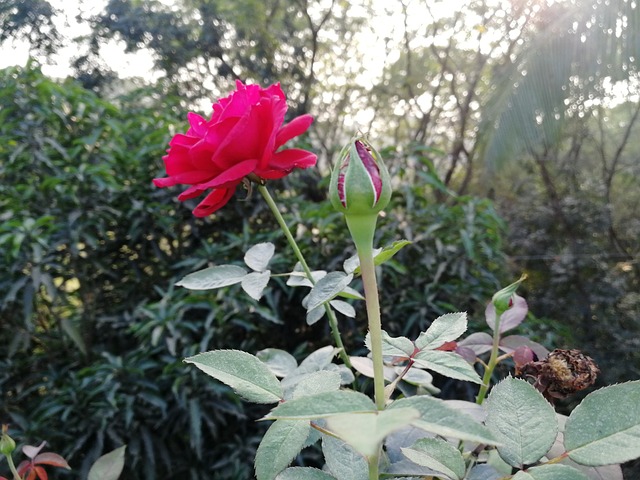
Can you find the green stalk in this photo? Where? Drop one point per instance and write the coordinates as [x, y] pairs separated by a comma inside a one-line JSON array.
[[333, 321], [12, 467], [373, 468], [493, 361], [362, 228]]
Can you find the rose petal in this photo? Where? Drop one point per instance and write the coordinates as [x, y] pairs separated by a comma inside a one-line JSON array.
[[177, 161], [186, 178], [163, 182], [232, 174], [191, 192], [182, 140], [293, 158], [235, 145], [277, 110], [198, 124], [295, 127], [214, 201], [372, 167], [271, 174]]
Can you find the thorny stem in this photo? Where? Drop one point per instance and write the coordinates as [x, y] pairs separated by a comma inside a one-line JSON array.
[[333, 321], [493, 361]]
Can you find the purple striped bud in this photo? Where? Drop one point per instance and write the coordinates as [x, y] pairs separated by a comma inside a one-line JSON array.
[[360, 183]]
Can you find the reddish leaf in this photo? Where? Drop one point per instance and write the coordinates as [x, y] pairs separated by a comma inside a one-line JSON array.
[[512, 342], [23, 467], [53, 459], [478, 342], [448, 346], [42, 474], [522, 355]]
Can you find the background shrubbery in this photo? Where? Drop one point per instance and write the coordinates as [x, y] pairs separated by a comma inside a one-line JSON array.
[[95, 332], [500, 168]]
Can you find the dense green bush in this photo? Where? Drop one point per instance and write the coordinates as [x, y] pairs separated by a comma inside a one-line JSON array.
[[93, 331]]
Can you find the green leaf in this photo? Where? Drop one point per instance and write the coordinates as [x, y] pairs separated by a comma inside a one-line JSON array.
[[298, 278], [71, 329], [344, 308], [449, 364], [254, 283], [550, 472], [366, 431], [605, 427], [380, 256], [351, 293], [343, 461], [323, 405], [280, 362], [437, 455], [484, 472], [318, 360], [443, 329], [108, 466], [317, 382], [213, 277], [257, 257], [313, 316], [364, 365], [601, 472], [327, 288], [393, 346], [279, 446], [246, 374], [439, 418], [304, 473], [522, 420], [416, 376], [389, 251]]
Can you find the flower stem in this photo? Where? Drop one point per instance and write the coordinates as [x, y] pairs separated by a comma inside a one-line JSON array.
[[333, 321], [12, 467], [362, 229], [491, 365], [373, 468]]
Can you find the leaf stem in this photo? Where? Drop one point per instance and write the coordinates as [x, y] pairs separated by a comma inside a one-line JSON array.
[[333, 321]]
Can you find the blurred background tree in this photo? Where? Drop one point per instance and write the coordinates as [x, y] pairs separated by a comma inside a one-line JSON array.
[[511, 128]]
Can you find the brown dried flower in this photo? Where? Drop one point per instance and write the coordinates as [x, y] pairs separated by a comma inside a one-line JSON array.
[[561, 374]]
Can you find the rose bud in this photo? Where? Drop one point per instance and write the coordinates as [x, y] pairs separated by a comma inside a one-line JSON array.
[[7, 444], [503, 300], [360, 183]]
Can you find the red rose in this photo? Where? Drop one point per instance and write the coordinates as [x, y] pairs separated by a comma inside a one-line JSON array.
[[242, 137]]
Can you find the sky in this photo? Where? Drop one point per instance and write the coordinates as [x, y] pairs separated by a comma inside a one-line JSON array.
[[127, 65], [386, 24]]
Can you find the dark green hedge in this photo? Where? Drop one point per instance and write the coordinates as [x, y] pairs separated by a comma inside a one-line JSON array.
[[93, 331]]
